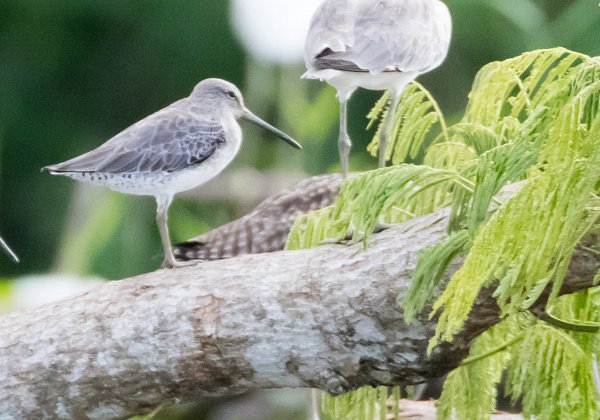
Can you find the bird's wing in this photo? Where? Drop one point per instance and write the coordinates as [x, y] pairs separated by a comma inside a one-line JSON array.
[[163, 142], [331, 29], [406, 35], [393, 35]]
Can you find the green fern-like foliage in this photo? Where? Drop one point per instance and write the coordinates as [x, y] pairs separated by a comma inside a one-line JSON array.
[[414, 118], [553, 208], [392, 195], [532, 118], [430, 270], [470, 391], [364, 404], [551, 372]]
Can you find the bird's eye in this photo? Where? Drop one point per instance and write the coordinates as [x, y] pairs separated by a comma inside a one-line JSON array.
[[231, 94]]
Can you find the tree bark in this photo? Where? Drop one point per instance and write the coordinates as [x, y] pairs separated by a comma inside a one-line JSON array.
[[325, 318]]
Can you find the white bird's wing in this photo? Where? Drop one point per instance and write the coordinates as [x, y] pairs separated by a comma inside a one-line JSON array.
[[331, 29], [406, 35], [386, 35], [167, 141]]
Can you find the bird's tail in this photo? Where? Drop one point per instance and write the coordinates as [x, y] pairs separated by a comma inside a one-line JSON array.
[[51, 169]]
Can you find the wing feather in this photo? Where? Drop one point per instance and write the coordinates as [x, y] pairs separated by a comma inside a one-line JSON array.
[[164, 142], [384, 35], [331, 29]]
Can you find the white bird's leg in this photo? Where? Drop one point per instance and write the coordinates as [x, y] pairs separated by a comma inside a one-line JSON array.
[[386, 132], [162, 209], [344, 142], [162, 220]]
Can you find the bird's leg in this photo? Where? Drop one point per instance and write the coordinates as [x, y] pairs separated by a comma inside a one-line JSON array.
[[386, 132], [162, 208], [344, 142]]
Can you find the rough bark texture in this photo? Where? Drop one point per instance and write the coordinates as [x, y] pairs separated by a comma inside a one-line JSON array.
[[324, 318]]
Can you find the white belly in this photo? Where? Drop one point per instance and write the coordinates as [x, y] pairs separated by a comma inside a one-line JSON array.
[[186, 179], [346, 82]]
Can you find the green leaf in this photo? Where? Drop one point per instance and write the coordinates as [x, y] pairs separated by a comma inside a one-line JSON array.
[[391, 195], [415, 116], [528, 243], [553, 375], [470, 391], [364, 404], [429, 272]]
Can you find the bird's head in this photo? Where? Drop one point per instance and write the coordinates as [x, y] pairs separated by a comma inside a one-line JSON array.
[[226, 97], [219, 94]]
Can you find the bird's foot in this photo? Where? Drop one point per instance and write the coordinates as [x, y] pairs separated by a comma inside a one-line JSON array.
[[380, 227], [334, 241], [349, 237], [178, 264]]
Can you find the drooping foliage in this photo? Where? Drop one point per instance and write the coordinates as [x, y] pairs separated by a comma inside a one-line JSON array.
[[554, 207], [415, 116], [470, 391], [364, 404], [533, 118]]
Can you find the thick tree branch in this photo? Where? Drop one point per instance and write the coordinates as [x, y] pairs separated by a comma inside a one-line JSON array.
[[324, 318]]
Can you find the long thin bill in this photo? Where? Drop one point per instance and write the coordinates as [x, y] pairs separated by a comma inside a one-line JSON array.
[[253, 118], [10, 252]]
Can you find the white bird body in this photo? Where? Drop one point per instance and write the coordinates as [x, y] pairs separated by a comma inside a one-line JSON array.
[[175, 149], [376, 45], [345, 83]]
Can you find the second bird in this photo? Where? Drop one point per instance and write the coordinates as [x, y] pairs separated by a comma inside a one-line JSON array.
[[376, 45], [175, 149]]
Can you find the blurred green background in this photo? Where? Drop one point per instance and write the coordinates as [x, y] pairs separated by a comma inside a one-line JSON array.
[[74, 73]]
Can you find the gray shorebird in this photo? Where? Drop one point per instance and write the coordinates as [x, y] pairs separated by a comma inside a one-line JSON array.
[[175, 149], [376, 45]]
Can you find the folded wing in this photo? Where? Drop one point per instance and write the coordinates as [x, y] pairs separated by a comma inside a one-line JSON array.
[[384, 35], [331, 30], [160, 143]]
